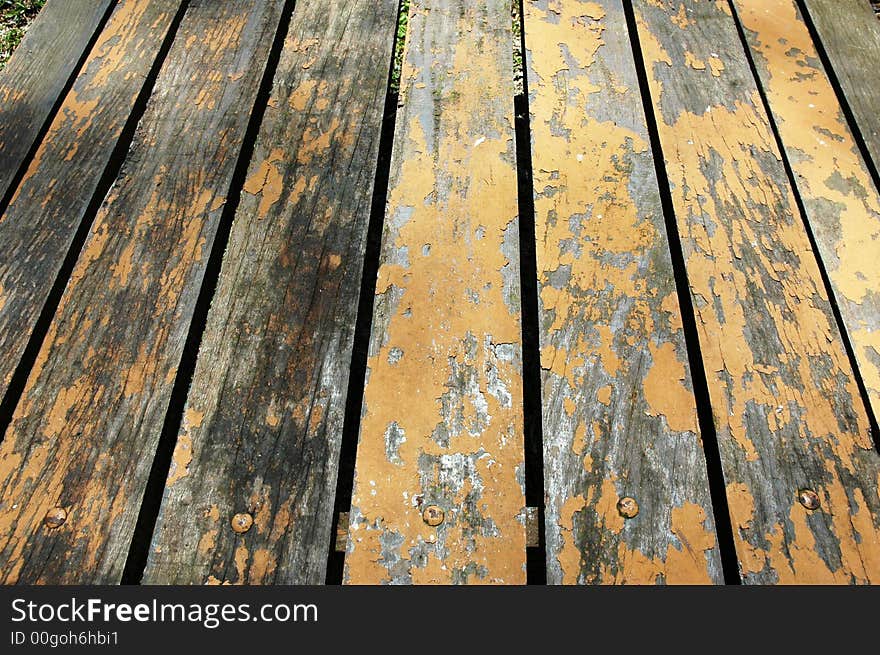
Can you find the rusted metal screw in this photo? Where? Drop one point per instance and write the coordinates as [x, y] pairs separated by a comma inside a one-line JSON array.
[[55, 518], [808, 498], [433, 515], [628, 507], [241, 523]]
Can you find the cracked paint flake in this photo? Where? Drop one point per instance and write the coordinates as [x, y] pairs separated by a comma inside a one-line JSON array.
[[841, 201], [780, 381], [445, 362], [619, 412]]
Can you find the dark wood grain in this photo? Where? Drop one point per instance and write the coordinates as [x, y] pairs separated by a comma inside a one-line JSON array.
[[619, 413], [85, 431], [442, 421], [850, 34], [787, 411], [37, 74], [264, 415], [38, 226], [840, 199]]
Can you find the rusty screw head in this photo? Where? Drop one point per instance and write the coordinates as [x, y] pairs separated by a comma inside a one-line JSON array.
[[433, 515], [55, 518], [809, 499], [241, 523], [628, 507]]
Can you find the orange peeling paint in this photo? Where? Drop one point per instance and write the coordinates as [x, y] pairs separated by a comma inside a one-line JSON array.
[[442, 422]]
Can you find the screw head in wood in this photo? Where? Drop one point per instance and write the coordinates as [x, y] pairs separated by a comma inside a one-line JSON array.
[[241, 523], [55, 518], [433, 515], [628, 507], [809, 499]]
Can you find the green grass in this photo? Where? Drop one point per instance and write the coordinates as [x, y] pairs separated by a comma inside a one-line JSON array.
[[399, 42], [15, 17]]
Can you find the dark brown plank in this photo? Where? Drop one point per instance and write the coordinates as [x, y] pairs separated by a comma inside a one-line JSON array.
[[264, 415], [850, 34], [788, 415], [620, 416], [438, 494], [37, 73], [85, 431], [39, 225], [839, 196]]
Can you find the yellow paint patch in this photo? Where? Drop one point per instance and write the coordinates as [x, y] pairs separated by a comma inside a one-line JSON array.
[[267, 181], [665, 393]]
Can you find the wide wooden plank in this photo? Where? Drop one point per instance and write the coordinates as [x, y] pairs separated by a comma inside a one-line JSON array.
[[438, 492], [620, 418], [839, 196], [264, 416], [791, 426], [85, 431], [37, 73], [39, 225], [850, 35]]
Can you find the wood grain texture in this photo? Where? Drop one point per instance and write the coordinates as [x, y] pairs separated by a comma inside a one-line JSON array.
[[85, 431], [265, 410], [850, 34], [38, 226], [37, 73], [839, 196], [787, 411], [620, 416], [442, 422]]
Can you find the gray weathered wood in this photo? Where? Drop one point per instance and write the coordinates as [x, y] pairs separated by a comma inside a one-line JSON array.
[[619, 413], [264, 415], [850, 34], [438, 494], [36, 74], [85, 432], [38, 226], [787, 410]]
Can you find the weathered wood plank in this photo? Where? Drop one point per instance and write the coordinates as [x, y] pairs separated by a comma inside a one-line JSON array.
[[438, 492], [839, 196], [620, 417], [265, 409], [39, 225], [37, 73], [850, 34], [787, 411], [85, 431]]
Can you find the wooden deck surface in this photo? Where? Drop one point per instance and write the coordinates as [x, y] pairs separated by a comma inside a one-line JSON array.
[[268, 318]]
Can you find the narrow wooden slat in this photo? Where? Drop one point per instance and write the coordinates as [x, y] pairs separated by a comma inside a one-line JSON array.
[[840, 199], [265, 410], [439, 493], [85, 431], [619, 416], [38, 227], [850, 34], [787, 411], [36, 75]]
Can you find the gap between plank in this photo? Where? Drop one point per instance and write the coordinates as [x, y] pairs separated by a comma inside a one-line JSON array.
[[789, 171], [533, 428], [152, 499], [717, 488], [364, 323], [111, 171], [53, 112]]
